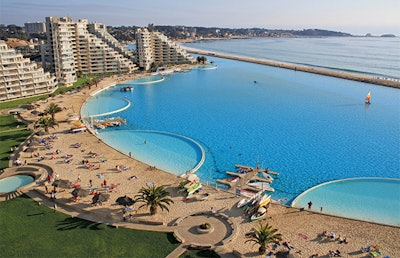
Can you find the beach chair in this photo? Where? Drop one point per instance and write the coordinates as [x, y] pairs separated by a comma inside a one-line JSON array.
[[375, 253]]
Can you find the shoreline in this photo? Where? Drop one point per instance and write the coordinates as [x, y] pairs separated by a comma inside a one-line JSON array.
[[301, 68], [289, 221]]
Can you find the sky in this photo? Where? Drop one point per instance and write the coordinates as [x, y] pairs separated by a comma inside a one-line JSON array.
[[357, 17]]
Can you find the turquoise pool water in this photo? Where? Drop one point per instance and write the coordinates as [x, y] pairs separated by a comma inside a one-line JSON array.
[[160, 149], [369, 199], [12, 183], [310, 128]]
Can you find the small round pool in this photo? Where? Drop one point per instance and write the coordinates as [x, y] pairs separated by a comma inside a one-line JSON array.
[[369, 199], [12, 183]]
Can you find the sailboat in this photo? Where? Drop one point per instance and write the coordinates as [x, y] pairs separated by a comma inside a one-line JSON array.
[[368, 98]]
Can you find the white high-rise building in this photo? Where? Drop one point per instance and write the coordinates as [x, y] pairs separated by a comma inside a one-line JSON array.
[[61, 39], [82, 48], [19, 77], [155, 47]]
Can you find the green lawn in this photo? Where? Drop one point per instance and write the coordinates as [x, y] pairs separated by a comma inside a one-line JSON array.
[[32, 230], [9, 122], [9, 140]]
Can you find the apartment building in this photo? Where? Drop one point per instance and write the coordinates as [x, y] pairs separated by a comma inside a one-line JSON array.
[[155, 47], [35, 27], [83, 48], [19, 77]]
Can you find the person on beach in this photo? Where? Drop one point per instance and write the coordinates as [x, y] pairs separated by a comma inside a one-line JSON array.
[[309, 205]]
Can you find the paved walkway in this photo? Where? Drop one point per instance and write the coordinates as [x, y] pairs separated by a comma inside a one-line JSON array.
[[185, 230]]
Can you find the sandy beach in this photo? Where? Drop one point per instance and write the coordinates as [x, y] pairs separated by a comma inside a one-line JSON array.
[[301, 227]]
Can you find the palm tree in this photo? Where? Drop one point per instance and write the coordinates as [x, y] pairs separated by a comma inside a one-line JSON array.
[[46, 122], [52, 109], [154, 196], [201, 59], [264, 235]]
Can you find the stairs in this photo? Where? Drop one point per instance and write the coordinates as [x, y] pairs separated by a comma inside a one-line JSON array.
[[12, 195]]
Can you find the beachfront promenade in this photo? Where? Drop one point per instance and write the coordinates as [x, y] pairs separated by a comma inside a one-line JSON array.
[[339, 74], [302, 228]]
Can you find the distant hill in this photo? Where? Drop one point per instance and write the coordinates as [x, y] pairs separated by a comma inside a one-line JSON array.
[[320, 33], [388, 36], [127, 33], [195, 33]]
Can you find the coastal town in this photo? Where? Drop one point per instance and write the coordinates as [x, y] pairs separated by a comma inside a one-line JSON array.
[[74, 172]]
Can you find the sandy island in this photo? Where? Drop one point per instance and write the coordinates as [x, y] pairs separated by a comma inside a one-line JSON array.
[[302, 228]]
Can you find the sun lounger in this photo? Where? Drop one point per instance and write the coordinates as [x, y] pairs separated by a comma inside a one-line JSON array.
[[375, 253]]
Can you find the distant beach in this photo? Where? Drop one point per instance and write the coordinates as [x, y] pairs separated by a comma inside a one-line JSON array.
[[302, 68]]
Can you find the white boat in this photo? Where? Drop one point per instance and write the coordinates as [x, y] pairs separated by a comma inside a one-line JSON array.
[[261, 201], [261, 185], [261, 212], [248, 193], [266, 176], [265, 200], [242, 202]]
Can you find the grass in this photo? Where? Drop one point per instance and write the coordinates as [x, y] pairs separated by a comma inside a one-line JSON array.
[[32, 230], [8, 140], [9, 122]]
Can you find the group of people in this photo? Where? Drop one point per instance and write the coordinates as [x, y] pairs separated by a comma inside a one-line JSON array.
[[90, 166], [18, 163], [332, 236]]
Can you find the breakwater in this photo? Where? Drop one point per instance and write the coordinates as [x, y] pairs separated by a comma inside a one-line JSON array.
[[303, 68]]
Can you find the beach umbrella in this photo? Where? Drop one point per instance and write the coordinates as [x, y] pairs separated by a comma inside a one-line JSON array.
[[125, 201], [27, 106], [79, 192], [100, 197], [61, 183]]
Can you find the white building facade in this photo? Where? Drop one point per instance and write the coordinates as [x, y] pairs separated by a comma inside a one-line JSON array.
[[155, 47], [84, 48], [19, 77]]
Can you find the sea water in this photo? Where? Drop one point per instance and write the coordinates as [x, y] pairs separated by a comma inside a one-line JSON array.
[[376, 56], [310, 128]]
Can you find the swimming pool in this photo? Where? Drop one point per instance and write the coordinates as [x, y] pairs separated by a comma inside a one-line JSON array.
[[368, 199], [310, 128], [12, 183]]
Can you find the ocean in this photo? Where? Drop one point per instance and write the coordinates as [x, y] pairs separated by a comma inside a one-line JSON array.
[[375, 56]]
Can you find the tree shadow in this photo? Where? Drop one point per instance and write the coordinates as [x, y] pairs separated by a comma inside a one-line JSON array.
[[76, 223]]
